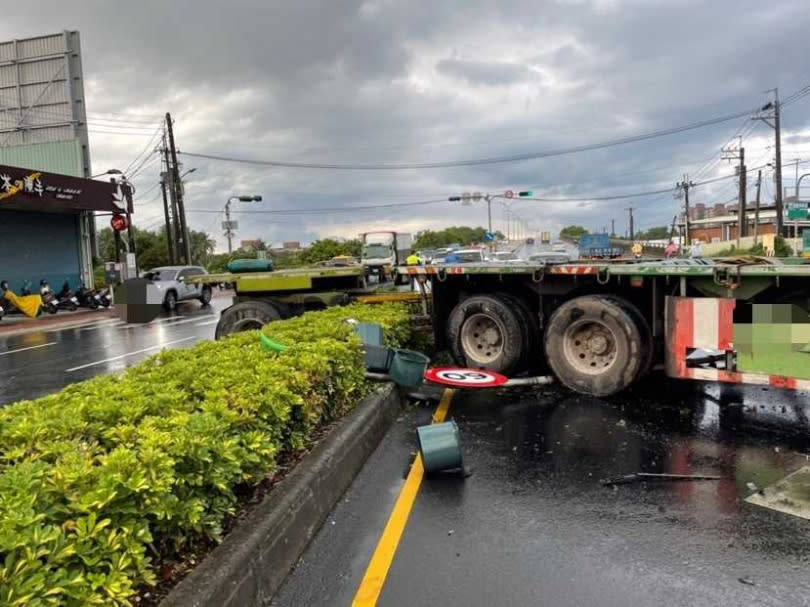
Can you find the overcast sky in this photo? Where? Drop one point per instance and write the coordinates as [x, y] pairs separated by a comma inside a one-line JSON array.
[[424, 81]]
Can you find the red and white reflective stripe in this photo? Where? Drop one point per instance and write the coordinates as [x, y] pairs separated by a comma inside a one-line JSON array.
[[756, 379], [573, 270], [712, 323]]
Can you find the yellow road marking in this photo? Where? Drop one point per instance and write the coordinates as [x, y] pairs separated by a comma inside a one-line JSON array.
[[377, 570]]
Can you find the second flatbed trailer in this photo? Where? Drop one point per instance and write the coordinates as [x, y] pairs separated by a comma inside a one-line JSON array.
[[601, 326]]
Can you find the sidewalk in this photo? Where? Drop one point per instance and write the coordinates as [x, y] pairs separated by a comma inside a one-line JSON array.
[[17, 323]]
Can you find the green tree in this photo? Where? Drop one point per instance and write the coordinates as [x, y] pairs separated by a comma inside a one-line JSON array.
[[572, 232], [327, 248], [151, 247], [463, 235], [656, 233]]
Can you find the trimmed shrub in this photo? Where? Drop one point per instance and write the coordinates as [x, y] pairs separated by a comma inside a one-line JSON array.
[[102, 477]]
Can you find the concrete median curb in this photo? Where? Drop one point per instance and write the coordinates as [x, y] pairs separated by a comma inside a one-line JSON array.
[[252, 562]]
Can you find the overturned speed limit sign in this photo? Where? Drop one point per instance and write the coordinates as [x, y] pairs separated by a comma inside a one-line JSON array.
[[459, 377]]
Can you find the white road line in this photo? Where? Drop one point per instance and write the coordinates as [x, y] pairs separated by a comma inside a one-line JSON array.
[[109, 360], [100, 324], [207, 322], [177, 320], [50, 343]]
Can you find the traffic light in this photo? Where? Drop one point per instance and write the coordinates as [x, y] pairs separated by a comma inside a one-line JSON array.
[[525, 193]]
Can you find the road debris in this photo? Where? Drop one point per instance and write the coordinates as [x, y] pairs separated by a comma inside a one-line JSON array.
[[650, 476]]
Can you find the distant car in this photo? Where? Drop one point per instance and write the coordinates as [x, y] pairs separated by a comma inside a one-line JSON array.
[[171, 282], [549, 258], [504, 256], [558, 247], [465, 256]]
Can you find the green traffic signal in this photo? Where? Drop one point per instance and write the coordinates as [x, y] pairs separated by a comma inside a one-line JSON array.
[[525, 193]]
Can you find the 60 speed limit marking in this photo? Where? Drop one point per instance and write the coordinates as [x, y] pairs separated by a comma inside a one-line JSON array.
[[460, 377]]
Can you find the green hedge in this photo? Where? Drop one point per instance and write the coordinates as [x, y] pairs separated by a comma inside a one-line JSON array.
[[98, 480]]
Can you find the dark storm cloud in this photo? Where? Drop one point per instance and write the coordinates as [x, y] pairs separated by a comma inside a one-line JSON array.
[[493, 73], [392, 81]]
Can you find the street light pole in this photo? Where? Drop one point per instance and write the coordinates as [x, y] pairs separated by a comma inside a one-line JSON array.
[[796, 225], [228, 227]]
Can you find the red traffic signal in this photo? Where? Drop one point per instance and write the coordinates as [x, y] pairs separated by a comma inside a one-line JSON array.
[[509, 194], [119, 222]]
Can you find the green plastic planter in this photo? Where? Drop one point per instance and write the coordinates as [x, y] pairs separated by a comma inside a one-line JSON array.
[[440, 447], [408, 368]]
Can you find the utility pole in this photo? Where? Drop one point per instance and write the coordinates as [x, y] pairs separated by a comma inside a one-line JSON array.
[[228, 231], [756, 208], [612, 227], [685, 185], [168, 222], [173, 234], [742, 217], [632, 231], [776, 125], [184, 247], [777, 120]]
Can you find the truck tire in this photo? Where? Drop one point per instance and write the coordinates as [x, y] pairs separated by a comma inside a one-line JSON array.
[[484, 332], [245, 316], [595, 346], [530, 329], [647, 345]]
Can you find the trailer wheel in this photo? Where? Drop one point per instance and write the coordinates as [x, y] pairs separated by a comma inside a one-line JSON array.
[[245, 316], [594, 345], [484, 332], [647, 345], [529, 327]]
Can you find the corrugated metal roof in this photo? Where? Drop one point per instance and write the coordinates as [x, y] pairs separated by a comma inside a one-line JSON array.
[[63, 157]]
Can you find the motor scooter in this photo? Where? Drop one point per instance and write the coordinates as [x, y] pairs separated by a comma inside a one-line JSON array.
[[49, 302], [65, 299]]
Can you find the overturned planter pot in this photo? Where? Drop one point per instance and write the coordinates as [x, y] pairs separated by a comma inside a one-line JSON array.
[[253, 561]]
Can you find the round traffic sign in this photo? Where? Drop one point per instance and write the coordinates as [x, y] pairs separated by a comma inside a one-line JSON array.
[[465, 378], [509, 194], [119, 222]]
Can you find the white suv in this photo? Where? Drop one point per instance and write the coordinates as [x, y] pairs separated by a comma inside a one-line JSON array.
[[171, 282]]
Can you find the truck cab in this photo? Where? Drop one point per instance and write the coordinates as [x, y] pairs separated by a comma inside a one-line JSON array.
[[382, 251]]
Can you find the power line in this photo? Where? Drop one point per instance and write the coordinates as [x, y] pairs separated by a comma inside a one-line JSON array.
[[478, 161], [326, 209]]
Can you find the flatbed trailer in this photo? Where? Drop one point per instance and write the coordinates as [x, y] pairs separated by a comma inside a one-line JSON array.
[[262, 297], [602, 325]]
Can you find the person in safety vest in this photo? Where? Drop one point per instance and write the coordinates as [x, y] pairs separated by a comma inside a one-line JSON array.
[[413, 259], [636, 249]]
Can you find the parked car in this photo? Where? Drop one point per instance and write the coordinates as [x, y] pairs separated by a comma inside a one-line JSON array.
[[171, 282]]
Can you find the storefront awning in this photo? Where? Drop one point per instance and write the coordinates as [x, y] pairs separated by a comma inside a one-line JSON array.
[[32, 190]]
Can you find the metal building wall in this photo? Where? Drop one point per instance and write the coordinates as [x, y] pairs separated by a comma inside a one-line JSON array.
[[41, 245], [63, 157], [42, 92]]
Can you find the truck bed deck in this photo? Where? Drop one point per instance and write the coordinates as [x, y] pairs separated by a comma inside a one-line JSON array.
[[741, 266], [295, 279]]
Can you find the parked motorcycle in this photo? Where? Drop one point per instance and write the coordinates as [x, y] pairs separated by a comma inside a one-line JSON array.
[[49, 302], [88, 298], [65, 299], [104, 297]]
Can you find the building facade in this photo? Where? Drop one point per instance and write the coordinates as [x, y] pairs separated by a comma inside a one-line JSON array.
[[43, 129]]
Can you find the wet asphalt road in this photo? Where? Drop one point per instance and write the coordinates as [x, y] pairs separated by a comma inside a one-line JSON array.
[[533, 525], [36, 363]]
